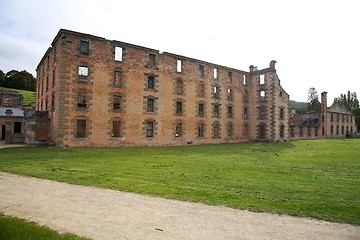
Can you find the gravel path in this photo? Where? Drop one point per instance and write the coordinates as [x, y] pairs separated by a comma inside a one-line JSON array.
[[107, 214]]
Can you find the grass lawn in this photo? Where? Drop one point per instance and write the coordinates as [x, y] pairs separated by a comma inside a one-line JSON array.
[[319, 178], [15, 229], [29, 96]]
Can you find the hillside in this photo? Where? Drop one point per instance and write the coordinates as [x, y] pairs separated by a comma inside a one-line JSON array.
[[29, 96]]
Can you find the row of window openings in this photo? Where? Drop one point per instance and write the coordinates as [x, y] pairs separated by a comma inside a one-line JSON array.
[[200, 129], [301, 131], [41, 84], [150, 107], [85, 49], [150, 129], [342, 130], [343, 118]]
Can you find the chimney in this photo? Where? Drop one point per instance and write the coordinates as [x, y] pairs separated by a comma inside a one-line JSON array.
[[272, 64], [251, 68]]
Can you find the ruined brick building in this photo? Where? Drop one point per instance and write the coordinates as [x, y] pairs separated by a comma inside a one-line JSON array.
[[99, 92], [333, 122]]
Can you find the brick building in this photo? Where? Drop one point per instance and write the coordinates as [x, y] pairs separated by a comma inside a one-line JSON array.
[[333, 122], [99, 92]]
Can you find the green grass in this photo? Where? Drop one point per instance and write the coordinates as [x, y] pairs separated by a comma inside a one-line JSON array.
[[319, 178], [29, 97], [15, 229]]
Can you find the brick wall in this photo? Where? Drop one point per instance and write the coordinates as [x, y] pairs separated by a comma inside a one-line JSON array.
[[223, 96]]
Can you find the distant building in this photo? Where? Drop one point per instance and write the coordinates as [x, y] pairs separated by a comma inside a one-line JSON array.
[[10, 99], [99, 92], [12, 122], [333, 122]]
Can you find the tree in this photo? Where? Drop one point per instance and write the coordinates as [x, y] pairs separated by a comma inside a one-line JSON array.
[[18, 80], [348, 100], [356, 112], [2, 78], [314, 105]]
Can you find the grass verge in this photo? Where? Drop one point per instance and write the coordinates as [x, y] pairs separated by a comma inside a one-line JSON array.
[[318, 178], [14, 229]]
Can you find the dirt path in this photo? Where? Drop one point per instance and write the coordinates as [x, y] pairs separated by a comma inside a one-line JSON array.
[[107, 214]]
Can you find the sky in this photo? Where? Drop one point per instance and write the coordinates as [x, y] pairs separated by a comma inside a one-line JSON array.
[[316, 43]]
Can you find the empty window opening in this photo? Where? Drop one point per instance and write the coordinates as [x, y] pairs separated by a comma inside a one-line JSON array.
[[262, 79], [216, 110], [178, 129], [282, 113], [83, 73], [17, 127], [216, 92], [230, 129], [244, 80], [150, 105], [201, 70], [53, 101], [179, 108], [262, 131], [84, 47], [282, 131], [81, 128], [116, 130], [118, 78], [230, 111], [149, 129], [53, 78], [118, 54], [262, 112], [151, 82], [309, 131], [179, 87], [262, 95], [201, 109], [81, 99], [230, 76], [292, 131], [216, 130], [215, 73], [201, 129], [229, 94], [117, 101], [178, 65], [152, 58], [246, 112]]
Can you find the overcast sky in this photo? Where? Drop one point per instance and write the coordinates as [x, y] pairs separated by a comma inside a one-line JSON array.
[[316, 43]]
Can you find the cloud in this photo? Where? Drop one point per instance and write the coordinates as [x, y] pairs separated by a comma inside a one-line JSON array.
[[19, 54]]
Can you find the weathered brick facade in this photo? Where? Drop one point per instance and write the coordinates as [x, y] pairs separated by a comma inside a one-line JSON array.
[[108, 93], [333, 122]]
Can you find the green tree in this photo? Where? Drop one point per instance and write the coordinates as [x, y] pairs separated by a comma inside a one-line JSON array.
[[356, 112], [2, 78], [313, 104], [20, 80], [348, 100]]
